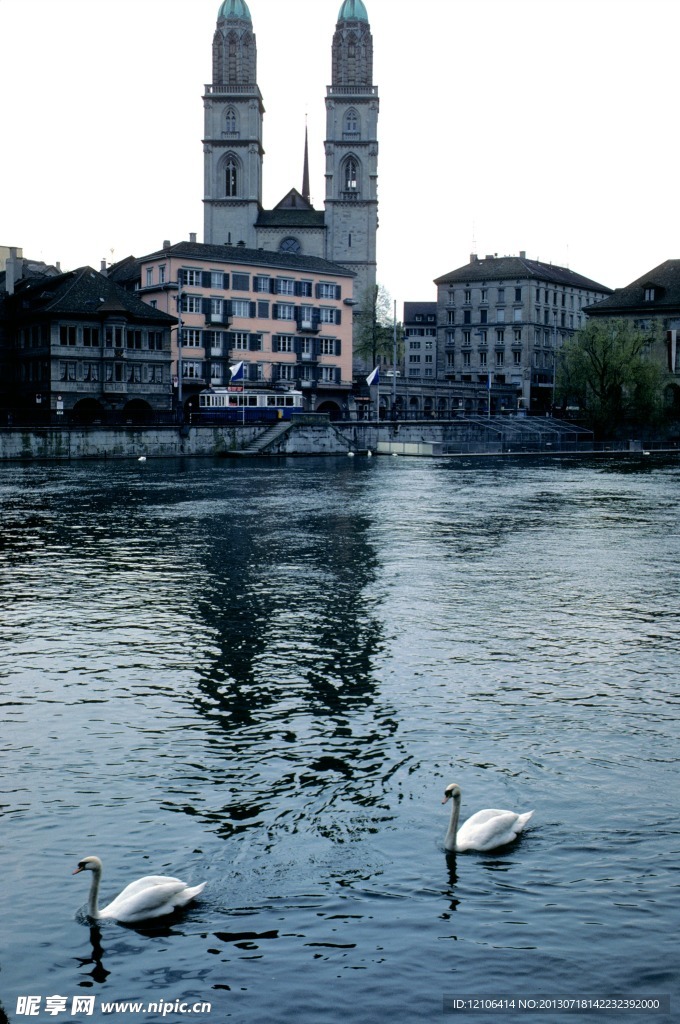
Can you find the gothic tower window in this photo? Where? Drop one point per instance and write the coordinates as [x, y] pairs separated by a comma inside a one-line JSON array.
[[231, 178], [231, 122], [351, 123], [351, 175]]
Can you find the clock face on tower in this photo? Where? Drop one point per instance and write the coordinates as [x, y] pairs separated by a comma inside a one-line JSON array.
[[290, 245]]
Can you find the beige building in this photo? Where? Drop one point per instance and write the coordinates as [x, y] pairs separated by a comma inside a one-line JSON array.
[[286, 317], [501, 320]]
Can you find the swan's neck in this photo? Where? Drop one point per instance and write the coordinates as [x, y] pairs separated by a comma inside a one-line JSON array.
[[450, 840], [93, 898]]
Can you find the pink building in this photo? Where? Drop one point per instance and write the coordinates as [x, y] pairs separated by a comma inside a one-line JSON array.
[[287, 317]]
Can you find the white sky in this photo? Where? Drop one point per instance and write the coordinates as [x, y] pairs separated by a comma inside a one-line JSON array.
[[543, 125]]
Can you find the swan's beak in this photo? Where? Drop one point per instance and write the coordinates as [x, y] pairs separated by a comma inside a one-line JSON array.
[[445, 798], [77, 871]]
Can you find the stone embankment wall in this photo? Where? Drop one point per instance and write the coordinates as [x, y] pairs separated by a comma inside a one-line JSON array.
[[303, 438]]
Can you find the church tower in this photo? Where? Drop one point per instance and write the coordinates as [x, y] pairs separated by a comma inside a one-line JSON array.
[[232, 143], [352, 149]]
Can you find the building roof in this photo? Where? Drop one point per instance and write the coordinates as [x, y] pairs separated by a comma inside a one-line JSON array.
[[414, 309], [254, 257], [353, 10], [83, 292], [499, 268], [663, 283], [234, 9]]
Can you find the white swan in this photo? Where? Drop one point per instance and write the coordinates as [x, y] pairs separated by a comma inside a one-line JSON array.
[[152, 896], [485, 830]]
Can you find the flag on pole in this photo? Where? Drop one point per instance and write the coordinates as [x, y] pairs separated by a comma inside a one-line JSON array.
[[373, 377], [236, 372]]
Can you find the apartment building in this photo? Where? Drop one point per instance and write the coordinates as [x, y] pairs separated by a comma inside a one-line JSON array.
[[501, 321], [287, 317]]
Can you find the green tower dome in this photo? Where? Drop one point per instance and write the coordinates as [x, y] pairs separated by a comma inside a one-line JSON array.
[[353, 10], [235, 9]]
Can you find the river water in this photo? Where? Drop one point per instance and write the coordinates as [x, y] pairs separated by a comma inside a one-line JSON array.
[[262, 675]]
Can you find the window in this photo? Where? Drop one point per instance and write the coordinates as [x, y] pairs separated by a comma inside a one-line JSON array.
[[328, 346], [161, 275], [134, 339], [650, 294], [326, 290], [482, 359], [286, 371], [67, 335], [466, 359], [149, 276], [230, 122], [261, 283], [501, 294], [467, 338], [518, 334], [500, 357], [350, 180], [240, 308], [192, 370], [155, 340], [290, 245], [468, 295], [351, 122], [285, 286], [328, 374], [216, 309], [192, 339], [327, 315], [240, 282], [483, 316], [91, 372], [283, 342], [500, 335], [517, 315], [216, 279], [285, 311], [191, 304], [90, 336], [263, 309], [484, 294], [231, 179], [216, 373], [154, 374], [305, 289], [500, 316], [192, 278], [239, 340], [414, 344], [518, 294]]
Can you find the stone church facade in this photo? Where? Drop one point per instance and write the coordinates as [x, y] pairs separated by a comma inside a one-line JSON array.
[[344, 232]]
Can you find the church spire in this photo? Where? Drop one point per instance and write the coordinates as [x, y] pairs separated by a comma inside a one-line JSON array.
[[305, 168]]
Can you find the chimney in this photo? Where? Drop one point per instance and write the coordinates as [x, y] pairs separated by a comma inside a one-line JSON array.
[[166, 243], [192, 237], [12, 270], [102, 269], [522, 254], [473, 257]]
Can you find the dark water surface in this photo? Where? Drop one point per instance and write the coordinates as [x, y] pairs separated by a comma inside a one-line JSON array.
[[263, 675]]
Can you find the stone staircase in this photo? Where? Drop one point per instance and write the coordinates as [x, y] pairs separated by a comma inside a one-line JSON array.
[[260, 443]]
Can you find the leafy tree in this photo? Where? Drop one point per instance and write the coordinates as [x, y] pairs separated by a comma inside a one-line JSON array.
[[374, 328], [610, 370]]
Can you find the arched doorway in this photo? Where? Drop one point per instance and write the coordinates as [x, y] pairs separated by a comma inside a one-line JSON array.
[[87, 411], [414, 408], [332, 408], [137, 411]]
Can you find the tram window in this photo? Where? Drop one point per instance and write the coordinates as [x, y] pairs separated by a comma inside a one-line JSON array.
[[271, 400], [233, 400], [289, 399], [252, 400]]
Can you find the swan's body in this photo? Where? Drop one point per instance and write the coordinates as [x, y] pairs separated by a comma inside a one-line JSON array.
[[148, 897], [485, 830]]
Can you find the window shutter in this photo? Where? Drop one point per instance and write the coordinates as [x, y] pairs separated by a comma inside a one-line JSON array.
[[338, 378], [297, 346], [316, 317], [338, 316], [317, 291], [206, 308], [263, 308], [206, 279], [338, 291], [275, 311], [338, 347], [181, 278], [252, 371], [275, 343], [225, 281], [228, 340], [273, 286], [297, 288], [255, 342], [228, 309], [253, 310]]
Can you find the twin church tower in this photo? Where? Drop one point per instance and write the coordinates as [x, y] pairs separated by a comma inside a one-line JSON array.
[[345, 231]]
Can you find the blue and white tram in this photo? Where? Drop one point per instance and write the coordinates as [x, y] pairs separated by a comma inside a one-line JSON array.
[[225, 405]]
